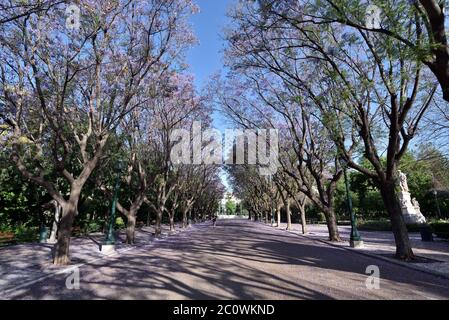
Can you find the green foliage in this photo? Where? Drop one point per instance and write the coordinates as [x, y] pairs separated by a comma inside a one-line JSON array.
[[441, 228], [374, 225], [230, 207], [321, 217], [238, 209], [383, 225], [26, 234], [419, 175], [424, 171], [20, 201], [366, 200], [119, 223], [17, 234], [94, 226]]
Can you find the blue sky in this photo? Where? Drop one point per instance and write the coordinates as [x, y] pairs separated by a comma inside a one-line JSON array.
[[206, 58]]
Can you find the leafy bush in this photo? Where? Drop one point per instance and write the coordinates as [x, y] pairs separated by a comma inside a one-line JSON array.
[[25, 234], [321, 217], [441, 228], [5, 228], [94, 226], [414, 227], [374, 225], [18, 234], [119, 223]]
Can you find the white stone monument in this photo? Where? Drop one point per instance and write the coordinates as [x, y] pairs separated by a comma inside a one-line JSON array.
[[410, 208]]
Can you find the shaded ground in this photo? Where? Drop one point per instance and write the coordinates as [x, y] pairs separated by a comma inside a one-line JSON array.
[[237, 260], [382, 244]]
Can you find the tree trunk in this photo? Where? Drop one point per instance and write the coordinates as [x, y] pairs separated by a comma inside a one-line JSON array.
[[54, 229], [195, 217], [278, 212], [157, 228], [148, 218], [172, 222], [131, 227], [302, 212], [289, 214], [332, 227], [403, 247], [61, 249], [184, 218]]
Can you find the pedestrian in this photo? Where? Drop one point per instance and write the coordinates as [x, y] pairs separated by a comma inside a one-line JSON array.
[[214, 221]]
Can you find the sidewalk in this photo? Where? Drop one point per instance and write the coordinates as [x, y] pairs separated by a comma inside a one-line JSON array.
[[381, 245], [24, 264]]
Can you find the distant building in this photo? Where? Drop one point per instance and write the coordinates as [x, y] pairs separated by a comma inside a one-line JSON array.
[[229, 196]]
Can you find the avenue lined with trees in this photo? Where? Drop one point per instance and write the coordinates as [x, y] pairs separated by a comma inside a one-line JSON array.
[[79, 95], [89, 101]]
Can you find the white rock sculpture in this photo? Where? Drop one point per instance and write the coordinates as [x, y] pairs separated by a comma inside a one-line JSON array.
[[410, 208]]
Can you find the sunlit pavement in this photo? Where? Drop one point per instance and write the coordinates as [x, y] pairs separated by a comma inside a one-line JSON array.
[[238, 259]]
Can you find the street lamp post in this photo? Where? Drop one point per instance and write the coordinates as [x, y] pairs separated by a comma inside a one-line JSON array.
[[355, 238], [270, 179], [435, 194], [110, 238]]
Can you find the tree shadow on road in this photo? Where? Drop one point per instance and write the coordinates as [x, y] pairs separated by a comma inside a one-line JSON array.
[[235, 260]]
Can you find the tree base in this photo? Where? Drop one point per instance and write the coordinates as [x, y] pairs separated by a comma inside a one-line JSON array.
[[335, 239], [356, 244], [405, 257], [61, 261]]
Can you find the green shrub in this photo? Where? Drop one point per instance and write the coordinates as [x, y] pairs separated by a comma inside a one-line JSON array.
[[414, 227], [5, 228], [93, 227], [374, 225], [441, 228], [119, 223], [24, 234], [321, 217]]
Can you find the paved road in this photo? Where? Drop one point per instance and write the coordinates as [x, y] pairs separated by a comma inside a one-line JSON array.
[[238, 260]]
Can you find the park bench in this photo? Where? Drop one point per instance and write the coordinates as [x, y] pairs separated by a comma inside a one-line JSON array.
[[6, 237]]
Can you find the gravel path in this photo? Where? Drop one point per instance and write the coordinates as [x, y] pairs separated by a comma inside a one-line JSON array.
[[238, 259]]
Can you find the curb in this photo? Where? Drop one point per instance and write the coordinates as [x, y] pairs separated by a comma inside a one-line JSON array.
[[373, 255]]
